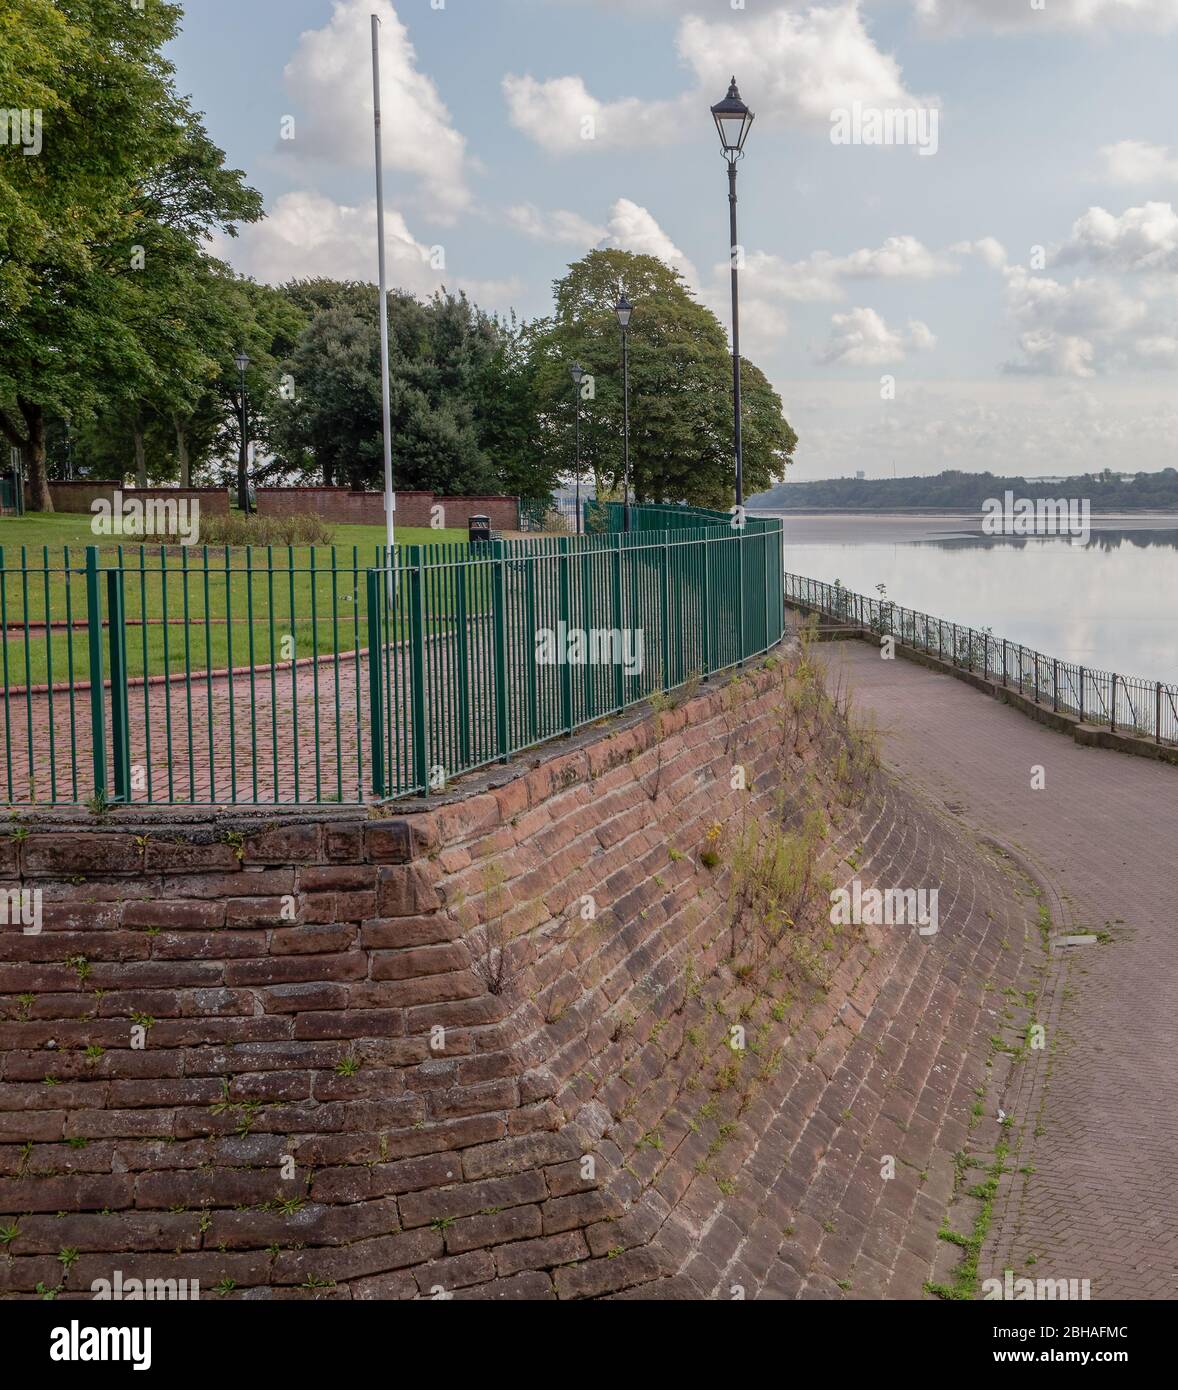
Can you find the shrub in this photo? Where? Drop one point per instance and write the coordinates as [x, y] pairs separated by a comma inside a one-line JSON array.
[[237, 529]]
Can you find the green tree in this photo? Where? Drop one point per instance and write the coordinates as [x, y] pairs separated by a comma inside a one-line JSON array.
[[98, 232], [680, 387], [443, 355]]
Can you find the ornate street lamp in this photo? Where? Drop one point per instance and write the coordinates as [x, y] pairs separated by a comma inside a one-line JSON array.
[[624, 309], [734, 121]]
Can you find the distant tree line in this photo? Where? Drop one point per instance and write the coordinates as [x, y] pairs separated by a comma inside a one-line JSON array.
[[118, 328], [1106, 491]]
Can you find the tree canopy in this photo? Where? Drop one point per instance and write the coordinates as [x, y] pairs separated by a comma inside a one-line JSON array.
[[681, 443], [118, 329], [102, 229]]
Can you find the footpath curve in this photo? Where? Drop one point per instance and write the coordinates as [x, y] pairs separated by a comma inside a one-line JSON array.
[[1092, 1193]]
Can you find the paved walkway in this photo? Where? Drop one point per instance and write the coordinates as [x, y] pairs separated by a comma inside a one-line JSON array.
[[1099, 1108]]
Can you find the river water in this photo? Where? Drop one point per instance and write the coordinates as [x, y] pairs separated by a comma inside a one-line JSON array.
[[1109, 604]]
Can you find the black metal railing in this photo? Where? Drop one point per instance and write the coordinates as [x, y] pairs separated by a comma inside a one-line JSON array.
[[1123, 704]]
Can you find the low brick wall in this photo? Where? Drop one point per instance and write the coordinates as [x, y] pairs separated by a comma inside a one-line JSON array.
[[341, 506], [80, 496], [490, 1047]]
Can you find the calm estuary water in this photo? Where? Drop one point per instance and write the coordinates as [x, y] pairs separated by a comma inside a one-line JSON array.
[[1110, 604]]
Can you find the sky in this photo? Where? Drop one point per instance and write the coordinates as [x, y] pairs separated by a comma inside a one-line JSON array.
[[983, 277]]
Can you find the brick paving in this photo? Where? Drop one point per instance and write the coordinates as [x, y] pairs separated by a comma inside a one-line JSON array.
[[211, 740], [1096, 1113]]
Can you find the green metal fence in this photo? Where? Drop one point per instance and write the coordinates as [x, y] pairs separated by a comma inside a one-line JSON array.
[[279, 675]]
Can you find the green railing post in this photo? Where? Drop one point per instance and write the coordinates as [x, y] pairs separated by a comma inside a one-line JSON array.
[[665, 610], [619, 673], [740, 592], [566, 613], [119, 728], [418, 695], [707, 613], [499, 615], [765, 575], [530, 565], [463, 624], [376, 681], [97, 703]]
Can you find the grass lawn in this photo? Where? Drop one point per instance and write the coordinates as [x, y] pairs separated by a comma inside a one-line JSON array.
[[196, 608]]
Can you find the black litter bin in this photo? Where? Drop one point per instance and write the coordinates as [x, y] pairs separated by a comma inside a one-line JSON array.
[[480, 529]]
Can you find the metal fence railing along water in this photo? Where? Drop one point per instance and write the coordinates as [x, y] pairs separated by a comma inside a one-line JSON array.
[[197, 676], [1123, 704]]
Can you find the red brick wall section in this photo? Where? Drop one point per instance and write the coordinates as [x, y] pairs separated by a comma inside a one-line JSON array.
[[340, 506], [483, 1049], [78, 496]]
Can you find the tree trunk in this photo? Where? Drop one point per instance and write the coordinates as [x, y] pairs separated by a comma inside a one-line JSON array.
[[37, 497], [182, 451], [140, 455]]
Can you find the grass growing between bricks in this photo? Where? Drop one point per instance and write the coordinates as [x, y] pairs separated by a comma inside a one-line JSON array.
[[964, 1284]]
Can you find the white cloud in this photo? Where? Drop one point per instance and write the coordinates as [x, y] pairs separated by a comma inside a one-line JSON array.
[[860, 338], [560, 225], [1134, 161], [633, 228], [795, 68], [1007, 16], [563, 117], [822, 276], [307, 234], [988, 250], [1087, 327], [330, 78], [1140, 239]]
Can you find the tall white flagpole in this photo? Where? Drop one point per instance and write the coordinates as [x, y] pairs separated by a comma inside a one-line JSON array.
[[390, 497]]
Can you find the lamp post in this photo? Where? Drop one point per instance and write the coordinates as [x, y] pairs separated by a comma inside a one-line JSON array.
[[624, 309], [577, 372], [390, 497], [734, 121], [242, 361]]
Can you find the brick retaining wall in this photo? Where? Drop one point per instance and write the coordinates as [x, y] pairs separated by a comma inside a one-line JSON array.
[[487, 1047]]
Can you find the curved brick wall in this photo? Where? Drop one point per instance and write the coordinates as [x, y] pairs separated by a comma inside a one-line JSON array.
[[381, 1053]]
